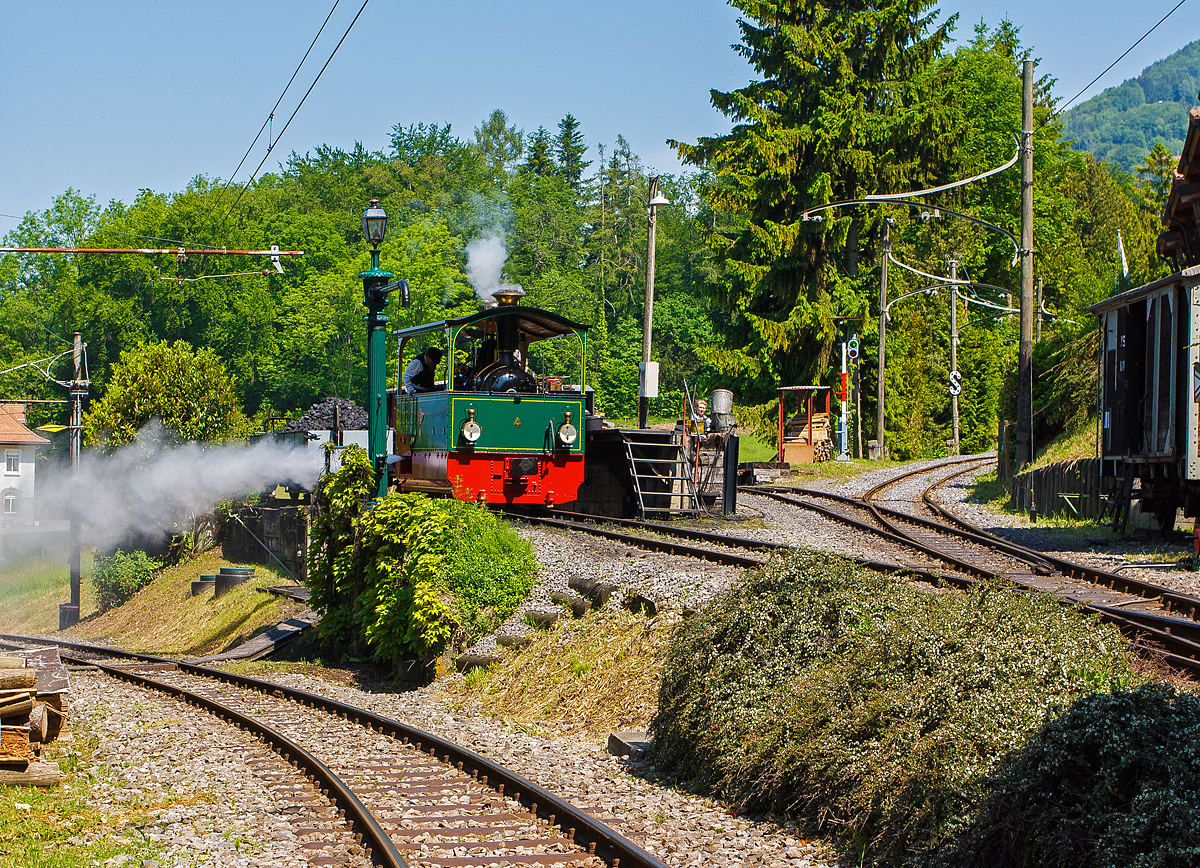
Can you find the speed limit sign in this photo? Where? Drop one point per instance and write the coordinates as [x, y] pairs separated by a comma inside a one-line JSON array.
[[955, 384]]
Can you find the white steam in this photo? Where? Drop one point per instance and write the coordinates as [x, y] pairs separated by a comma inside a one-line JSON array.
[[485, 262], [148, 488]]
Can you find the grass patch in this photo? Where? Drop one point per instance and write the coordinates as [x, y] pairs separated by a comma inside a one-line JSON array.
[[164, 618], [866, 704], [61, 826], [836, 471], [1070, 445], [988, 490], [596, 673], [32, 588], [753, 448]]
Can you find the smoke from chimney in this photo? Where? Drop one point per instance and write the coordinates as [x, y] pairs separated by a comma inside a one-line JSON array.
[[485, 262]]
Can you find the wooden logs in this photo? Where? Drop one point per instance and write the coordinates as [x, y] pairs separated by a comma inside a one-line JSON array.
[[14, 703], [14, 679], [14, 744], [33, 775], [39, 724], [12, 662], [56, 715]]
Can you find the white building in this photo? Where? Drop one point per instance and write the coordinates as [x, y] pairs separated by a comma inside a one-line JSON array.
[[19, 445]]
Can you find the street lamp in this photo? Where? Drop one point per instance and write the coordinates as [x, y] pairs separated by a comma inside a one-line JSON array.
[[375, 296], [648, 382], [374, 225]]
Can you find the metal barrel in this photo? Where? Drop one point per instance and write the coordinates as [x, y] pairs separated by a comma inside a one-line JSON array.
[[722, 402]]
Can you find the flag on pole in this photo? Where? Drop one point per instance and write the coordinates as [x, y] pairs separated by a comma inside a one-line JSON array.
[[1123, 279]]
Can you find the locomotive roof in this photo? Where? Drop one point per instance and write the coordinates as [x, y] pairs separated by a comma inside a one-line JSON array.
[[537, 323], [1133, 295]]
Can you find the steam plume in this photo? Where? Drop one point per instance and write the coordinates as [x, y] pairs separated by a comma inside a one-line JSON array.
[[149, 486], [485, 262]]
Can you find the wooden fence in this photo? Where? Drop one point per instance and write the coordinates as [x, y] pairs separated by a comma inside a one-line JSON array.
[[1067, 488]]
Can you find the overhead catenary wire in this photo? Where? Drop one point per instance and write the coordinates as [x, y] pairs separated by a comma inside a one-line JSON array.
[[270, 117], [265, 272], [42, 366], [332, 54], [944, 280], [1060, 109], [889, 197]]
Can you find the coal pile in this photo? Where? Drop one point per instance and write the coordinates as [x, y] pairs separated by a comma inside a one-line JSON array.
[[320, 417]]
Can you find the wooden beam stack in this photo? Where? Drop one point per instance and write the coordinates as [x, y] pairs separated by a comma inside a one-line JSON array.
[[33, 687]]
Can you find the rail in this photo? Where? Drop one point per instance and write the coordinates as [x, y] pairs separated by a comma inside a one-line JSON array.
[[597, 837]]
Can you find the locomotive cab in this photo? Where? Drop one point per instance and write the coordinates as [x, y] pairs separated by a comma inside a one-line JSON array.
[[494, 430]]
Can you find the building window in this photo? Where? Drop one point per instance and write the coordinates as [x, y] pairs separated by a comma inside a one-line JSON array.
[[10, 504], [12, 463]]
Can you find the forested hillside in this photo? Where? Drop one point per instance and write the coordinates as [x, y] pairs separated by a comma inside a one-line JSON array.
[[1121, 124], [747, 290]]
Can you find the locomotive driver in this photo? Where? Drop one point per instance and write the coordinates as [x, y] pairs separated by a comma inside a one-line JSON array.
[[418, 376]]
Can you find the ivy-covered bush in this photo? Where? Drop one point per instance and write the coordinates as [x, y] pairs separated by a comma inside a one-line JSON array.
[[120, 575], [866, 704], [1113, 783], [409, 575]]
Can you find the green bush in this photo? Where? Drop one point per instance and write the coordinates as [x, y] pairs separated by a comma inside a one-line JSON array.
[[121, 575], [865, 703], [1111, 784], [409, 575]]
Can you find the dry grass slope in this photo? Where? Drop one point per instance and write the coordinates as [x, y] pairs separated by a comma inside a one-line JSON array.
[[596, 674], [164, 618]]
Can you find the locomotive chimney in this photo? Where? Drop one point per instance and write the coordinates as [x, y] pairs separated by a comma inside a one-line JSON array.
[[508, 295]]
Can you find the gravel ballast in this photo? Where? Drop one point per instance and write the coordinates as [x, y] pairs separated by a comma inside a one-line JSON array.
[[678, 827], [197, 775], [1085, 544], [199, 783]]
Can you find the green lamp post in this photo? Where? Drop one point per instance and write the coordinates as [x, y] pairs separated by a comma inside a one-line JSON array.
[[375, 296]]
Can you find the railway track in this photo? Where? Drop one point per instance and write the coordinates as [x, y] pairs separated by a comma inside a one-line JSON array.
[[351, 778], [1162, 623], [1151, 614]]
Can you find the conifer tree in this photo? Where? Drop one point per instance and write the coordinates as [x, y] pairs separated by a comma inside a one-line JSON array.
[[500, 143], [569, 148], [538, 159], [836, 113], [1155, 175]]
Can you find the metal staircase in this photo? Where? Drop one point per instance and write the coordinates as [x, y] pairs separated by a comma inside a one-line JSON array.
[[661, 473]]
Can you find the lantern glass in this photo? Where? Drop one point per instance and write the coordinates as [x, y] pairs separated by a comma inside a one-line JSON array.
[[374, 223]]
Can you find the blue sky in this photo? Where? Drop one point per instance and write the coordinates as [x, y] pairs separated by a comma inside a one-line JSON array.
[[112, 97]]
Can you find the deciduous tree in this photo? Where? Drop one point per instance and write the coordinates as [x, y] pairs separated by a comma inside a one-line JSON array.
[[187, 390]]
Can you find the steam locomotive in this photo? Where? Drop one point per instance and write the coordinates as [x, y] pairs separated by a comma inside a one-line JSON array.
[[492, 431]]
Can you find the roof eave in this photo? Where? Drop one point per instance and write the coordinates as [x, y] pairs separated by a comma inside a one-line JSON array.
[[1192, 273]]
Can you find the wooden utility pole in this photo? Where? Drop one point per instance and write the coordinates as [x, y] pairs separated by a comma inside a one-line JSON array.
[[69, 614], [954, 348], [880, 418], [1025, 353]]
